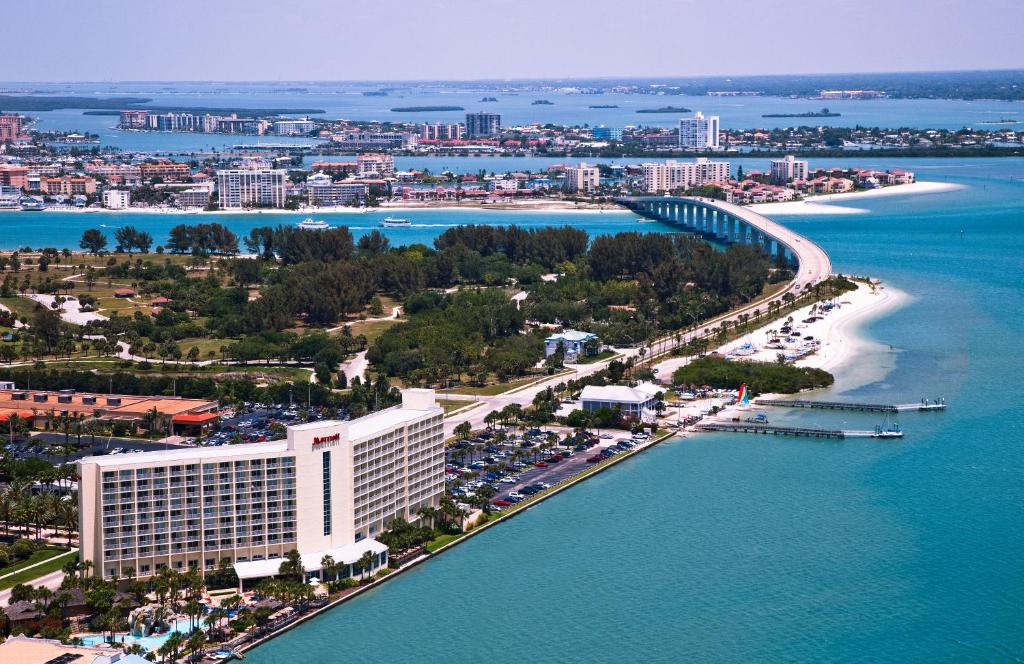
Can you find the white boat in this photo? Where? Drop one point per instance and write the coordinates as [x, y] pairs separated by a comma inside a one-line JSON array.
[[392, 222], [311, 224]]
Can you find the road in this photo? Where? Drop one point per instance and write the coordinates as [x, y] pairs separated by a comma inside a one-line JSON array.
[[814, 266]]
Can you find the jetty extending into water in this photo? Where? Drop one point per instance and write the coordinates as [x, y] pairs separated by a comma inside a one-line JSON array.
[[806, 432], [923, 405]]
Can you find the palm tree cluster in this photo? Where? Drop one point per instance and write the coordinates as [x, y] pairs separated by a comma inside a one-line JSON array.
[[28, 514]]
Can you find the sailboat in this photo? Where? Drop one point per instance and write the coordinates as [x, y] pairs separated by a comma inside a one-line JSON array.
[[743, 396]]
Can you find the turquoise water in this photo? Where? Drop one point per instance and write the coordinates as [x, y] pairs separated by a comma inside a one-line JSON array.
[[151, 643], [725, 548]]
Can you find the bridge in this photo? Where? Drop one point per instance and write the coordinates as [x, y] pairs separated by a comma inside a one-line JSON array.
[[732, 224]]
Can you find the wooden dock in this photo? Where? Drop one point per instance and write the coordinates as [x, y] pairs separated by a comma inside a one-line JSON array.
[[805, 432], [747, 427], [924, 405]]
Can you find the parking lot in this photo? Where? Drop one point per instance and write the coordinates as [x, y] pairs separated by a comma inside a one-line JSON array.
[[515, 467]]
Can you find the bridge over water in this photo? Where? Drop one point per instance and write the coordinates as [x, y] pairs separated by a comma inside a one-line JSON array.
[[732, 224]]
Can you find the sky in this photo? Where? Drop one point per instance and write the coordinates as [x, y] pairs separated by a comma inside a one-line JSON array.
[[312, 40]]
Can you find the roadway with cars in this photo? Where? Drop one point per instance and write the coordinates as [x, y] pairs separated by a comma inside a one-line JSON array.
[[813, 267]]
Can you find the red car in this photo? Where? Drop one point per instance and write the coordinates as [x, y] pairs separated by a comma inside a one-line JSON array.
[[595, 459], [502, 503], [540, 464]]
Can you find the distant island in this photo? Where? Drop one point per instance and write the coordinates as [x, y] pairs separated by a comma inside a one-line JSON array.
[[212, 110], [424, 109], [486, 99], [665, 109], [823, 113], [375, 93], [543, 102], [605, 106], [47, 103]]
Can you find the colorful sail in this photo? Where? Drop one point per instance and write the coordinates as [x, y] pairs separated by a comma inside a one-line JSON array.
[[744, 395]]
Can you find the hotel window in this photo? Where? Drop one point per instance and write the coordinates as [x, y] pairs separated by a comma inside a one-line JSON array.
[[327, 491]]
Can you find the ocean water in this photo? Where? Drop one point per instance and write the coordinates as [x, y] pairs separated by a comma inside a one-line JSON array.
[[346, 101], [732, 548]]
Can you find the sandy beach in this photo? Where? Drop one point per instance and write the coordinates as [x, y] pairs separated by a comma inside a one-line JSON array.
[[825, 203], [839, 342]]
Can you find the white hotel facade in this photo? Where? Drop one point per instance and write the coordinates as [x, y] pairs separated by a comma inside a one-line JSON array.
[[325, 490]]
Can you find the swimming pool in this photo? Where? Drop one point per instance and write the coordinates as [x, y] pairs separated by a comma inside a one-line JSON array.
[[152, 642]]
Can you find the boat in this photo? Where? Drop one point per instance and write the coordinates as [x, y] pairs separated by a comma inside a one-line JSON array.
[[32, 204], [892, 431], [311, 224], [759, 418], [392, 222]]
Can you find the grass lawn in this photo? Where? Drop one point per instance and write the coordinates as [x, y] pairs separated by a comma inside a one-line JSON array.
[[53, 563], [20, 306], [497, 388], [371, 329], [435, 544], [453, 404], [37, 557], [600, 357]]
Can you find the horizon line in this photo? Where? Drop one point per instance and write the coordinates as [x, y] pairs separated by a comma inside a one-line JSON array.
[[632, 77]]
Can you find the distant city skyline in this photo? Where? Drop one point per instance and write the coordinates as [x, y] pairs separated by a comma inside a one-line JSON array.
[[261, 40]]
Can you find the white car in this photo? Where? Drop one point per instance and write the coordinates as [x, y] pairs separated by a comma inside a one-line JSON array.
[[507, 480]]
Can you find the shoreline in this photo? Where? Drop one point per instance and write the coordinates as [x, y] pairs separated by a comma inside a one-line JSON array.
[[821, 205], [824, 204]]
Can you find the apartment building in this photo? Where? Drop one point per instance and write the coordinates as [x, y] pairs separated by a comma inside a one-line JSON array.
[[582, 178], [165, 170], [675, 175], [241, 188], [375, 165], [321, 190], [441, 132], [69, 185], [699, 132], [10, 127], [117, 199], [325, 490], [483, 125], [787, 169]]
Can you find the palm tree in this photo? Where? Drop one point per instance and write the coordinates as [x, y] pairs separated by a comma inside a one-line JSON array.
[[328, 568], [365, 564]]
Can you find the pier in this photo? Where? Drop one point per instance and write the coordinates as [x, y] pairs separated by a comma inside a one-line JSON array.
[[805, 432], [923, 405]]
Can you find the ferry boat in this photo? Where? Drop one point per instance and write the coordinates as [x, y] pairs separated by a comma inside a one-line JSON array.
[[30, 204], [393, 222], [311, 224]]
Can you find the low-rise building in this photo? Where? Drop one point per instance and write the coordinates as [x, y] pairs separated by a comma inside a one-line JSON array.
[[321, 190], [573, 343], [632, 403], [68, 185]]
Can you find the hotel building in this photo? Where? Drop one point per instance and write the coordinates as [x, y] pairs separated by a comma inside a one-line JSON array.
[[674, 175], [327, 489], [699, 132], [117, 199], [321, 190], [240, 188]]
